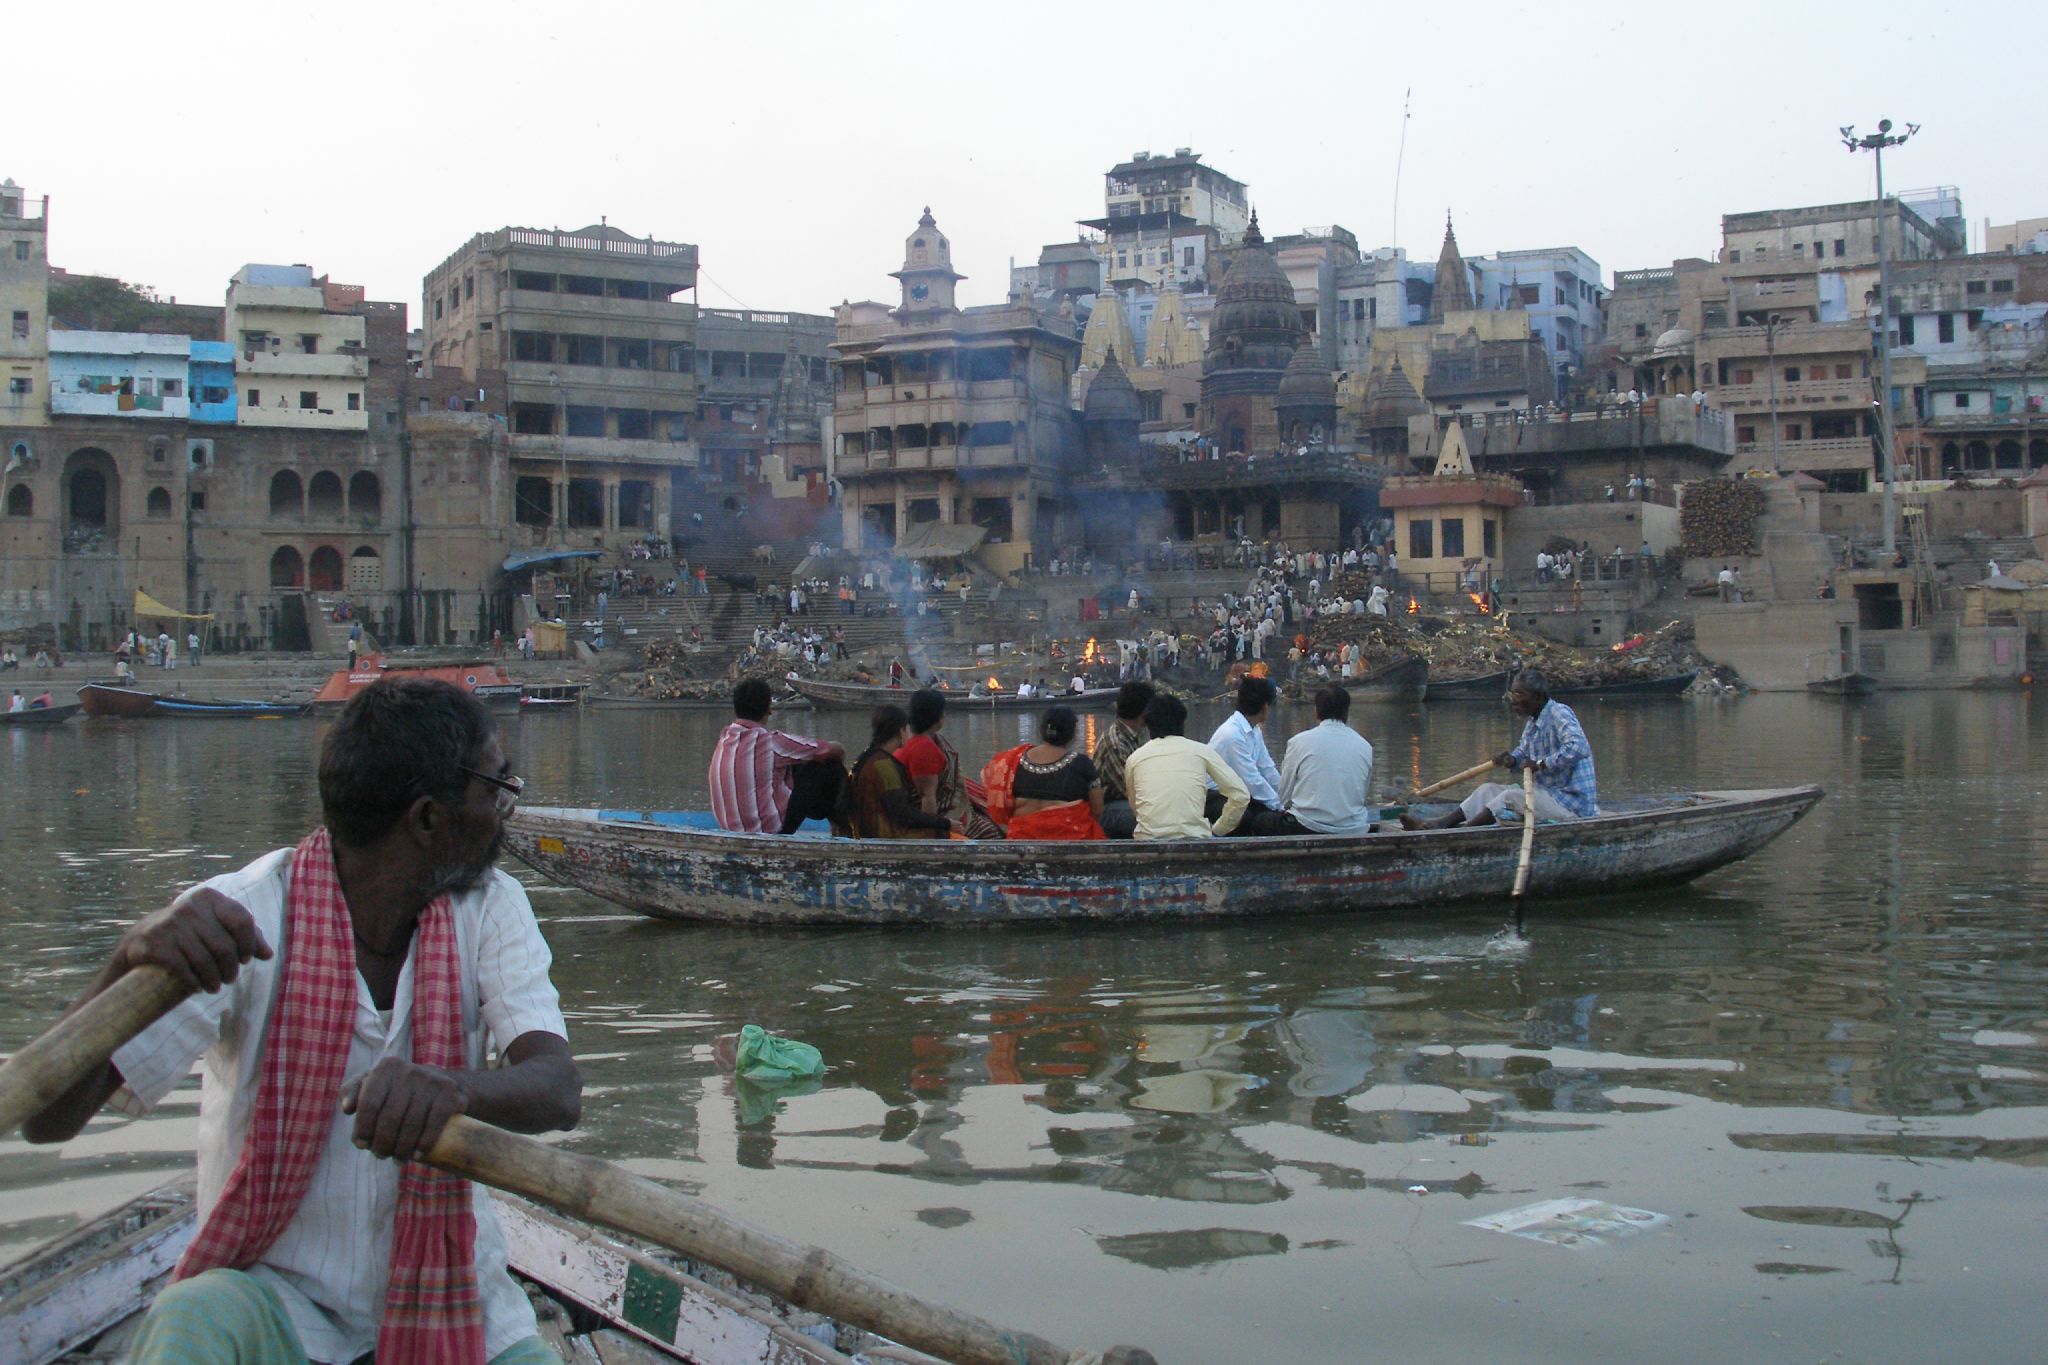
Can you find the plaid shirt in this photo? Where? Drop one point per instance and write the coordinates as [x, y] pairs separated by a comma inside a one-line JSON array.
[[1556, 745], [1112, 751]]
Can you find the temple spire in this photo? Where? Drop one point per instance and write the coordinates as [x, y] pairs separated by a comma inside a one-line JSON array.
[[1453, 292]]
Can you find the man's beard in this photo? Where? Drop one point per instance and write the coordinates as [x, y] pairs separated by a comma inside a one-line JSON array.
[[461, 876]]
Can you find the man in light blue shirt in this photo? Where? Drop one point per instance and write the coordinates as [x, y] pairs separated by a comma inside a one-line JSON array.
[[1326, 777], [1240, 741]]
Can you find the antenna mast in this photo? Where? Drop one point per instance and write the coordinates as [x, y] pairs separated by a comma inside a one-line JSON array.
[[1394, 233]]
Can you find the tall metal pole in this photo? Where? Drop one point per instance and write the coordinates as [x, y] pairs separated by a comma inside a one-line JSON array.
[[1876, 142], [1884, 360]]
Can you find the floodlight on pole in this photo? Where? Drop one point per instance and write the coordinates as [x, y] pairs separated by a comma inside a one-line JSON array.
[[1875, 143]]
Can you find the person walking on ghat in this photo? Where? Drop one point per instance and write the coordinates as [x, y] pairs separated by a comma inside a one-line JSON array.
[[1554, 745], [347, 996]]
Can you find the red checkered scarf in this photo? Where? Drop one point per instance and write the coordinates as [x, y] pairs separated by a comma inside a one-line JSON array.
[[433, 1311]]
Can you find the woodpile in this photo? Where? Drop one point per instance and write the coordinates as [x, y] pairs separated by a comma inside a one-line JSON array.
[[1719, 518]]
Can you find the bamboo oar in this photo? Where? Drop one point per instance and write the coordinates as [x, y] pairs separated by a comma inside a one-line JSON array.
[[1453, 780], [1528, 840], [581, 1186]]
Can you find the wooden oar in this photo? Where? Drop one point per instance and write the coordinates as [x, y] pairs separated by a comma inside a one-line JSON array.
[[1528, 841], [1453, 780], [585, 1187]]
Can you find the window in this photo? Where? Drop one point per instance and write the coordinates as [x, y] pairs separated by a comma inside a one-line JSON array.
[[469, 286], [355, 402], [534, 280], [1489, 538], [1976, 318], [1945, 326], [1795, 431], [21, 251], [196, 500], [1962, 401], [1642, 329], [20, 384], [1799, 250], [533, 346], [1454, 538], [1735, 256], [159, 502], [253, 399], [308, 399], [1791, 374], [1905, 329], [1745, 435], [437, 308], [1419, 539], [1842, 372], [309, 343], [20, 324], [1973, 286], [1841, 246], [20, 502], [1745, 376], [2001, 286], [158, 453], [1187, 257]]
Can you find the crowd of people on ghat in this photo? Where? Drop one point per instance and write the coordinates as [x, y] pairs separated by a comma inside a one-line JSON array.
[[1144, 779]]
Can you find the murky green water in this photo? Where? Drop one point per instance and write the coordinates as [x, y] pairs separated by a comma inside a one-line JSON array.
[[1827, 1067]]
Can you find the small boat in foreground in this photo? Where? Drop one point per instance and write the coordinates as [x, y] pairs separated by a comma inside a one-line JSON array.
[[81, 1298], [1404, 679], [679, 865], [862, 697], [40, 715]]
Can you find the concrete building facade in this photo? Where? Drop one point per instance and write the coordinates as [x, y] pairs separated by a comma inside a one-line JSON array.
[[299, 358], [24, 309], [125, 374]]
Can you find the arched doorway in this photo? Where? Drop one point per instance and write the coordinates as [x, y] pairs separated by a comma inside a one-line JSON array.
[[92, 499], [323, 496], [287, 569], [20, 501], [287, 495], [365, 570], [323, 571], [365, 497]]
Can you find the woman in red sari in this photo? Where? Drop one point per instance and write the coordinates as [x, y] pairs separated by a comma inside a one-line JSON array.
[[1056, 791]]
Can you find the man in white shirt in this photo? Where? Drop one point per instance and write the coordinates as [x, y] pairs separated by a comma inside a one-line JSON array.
[[1169, 776], [1240, 741], [1326, 777], [403, 941]]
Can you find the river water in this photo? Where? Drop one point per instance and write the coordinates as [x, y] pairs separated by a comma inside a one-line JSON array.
[[1825, 1071]]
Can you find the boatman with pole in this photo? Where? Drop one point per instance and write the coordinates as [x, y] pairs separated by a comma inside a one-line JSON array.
[[347, 996], [1553, 745]]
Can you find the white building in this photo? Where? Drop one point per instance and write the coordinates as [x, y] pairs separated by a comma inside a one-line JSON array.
[[1559, 288], [299, 360], [120, 374]]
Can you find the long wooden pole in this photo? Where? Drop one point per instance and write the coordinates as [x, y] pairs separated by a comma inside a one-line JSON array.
[[1453, 780], [584, 1187], [1528, 840]]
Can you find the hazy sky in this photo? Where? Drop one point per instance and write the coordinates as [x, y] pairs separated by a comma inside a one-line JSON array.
[[796, 143]]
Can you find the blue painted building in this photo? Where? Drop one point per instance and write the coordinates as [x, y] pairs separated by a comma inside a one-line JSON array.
[[212, 383]]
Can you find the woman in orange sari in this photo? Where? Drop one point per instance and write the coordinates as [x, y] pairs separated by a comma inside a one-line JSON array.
[[1057, 792]]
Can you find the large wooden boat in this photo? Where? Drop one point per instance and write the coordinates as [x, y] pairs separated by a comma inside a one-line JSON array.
[[113, 699], [484, 678], [40, 715], [81, 1298], [677, 865], [858, 696], [1405, 679], [1481, 687], [1631, 689], [108, 699]]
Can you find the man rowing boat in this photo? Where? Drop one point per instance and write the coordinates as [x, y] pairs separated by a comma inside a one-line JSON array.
[[348, 994], [1554, 745]]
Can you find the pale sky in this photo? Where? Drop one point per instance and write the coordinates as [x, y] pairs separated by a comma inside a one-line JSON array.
[[796, 143]]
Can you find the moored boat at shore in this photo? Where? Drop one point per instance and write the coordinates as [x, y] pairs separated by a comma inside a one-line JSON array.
[[862, 696], [678, 865], [1494, 686], [484, 678], [40, 715], [1404, 679], [107, 699]]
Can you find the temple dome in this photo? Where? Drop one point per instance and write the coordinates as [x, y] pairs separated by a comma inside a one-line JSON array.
[[1111, 397], [1677, 341], [1257, 322], [1393, 397], [1307, 380]]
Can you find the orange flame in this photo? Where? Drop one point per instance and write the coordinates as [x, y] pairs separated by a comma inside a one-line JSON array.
[[1414, 607], [1481, 603], [993, 685], [1092, 653]]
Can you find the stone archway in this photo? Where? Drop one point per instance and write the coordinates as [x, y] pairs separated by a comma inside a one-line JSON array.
[[91, 487], [323, 570], [287, 569]]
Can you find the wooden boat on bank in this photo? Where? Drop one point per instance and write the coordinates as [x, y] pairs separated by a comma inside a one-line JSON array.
[[678, 865], [482, 677], [1482, 687], [113, 699], [1844, 685], [862, 697], [1405, 679], [1631, 689], [40, 715], [81, 1298], [550, 696], [108, 699]]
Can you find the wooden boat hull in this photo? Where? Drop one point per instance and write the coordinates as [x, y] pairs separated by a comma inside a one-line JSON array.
[[90, 1288], [486, 680], [184, 709], [105, 699], [856, 696], [1484, 687], [41, 715], [671, 867], [1846, 685], [1405, 679], [1669, 685]]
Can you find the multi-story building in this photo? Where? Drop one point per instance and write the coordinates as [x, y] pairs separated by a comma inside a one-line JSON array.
[[24, 309], [2027, 237], [599, 358], [953, 425], [1970, 366], [1559, 288], [1383, 289], [1158, 209], [299, 349], [125, 374], [212, 383]]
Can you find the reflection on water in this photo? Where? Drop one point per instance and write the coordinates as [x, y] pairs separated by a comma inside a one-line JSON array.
[[1858, 1011]]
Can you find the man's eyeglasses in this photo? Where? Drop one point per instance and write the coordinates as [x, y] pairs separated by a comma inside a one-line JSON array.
[[508, 788]]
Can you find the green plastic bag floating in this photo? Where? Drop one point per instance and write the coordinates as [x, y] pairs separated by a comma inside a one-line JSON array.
[[764, 1057]]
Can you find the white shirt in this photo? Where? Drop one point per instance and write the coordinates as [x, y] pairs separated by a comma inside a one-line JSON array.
[[1326, 777], [1242, 745], [1168, 779], [330, 1265]]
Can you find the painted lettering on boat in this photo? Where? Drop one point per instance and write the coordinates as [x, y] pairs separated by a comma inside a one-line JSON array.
[[1362, 879]]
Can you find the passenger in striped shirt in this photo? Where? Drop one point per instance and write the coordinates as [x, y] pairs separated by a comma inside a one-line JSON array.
[[1553, 744], [766, 782]]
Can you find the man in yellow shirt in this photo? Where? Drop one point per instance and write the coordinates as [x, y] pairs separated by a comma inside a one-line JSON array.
[[1169, 776]]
